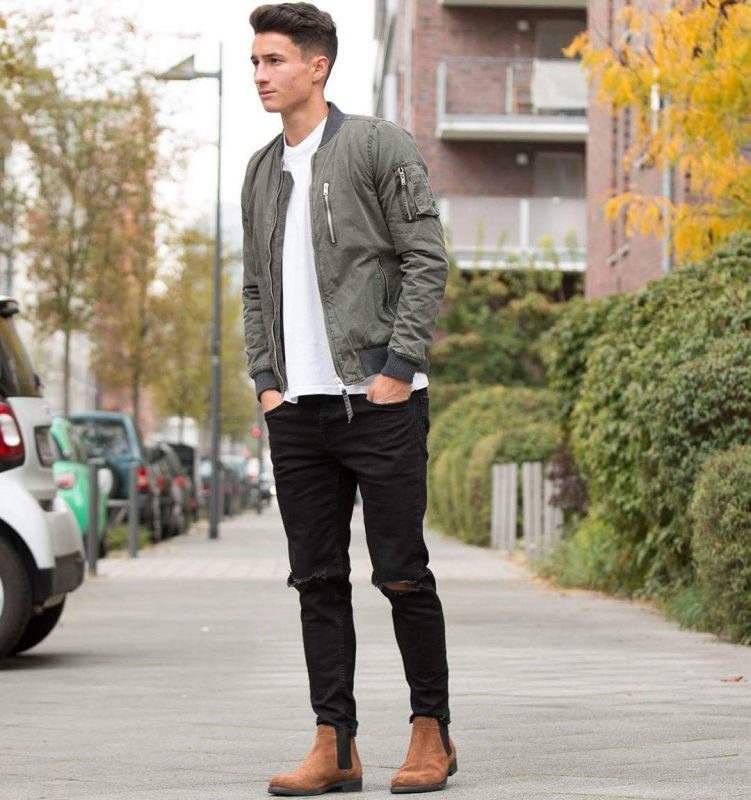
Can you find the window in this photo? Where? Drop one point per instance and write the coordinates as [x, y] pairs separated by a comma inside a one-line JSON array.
[[559, 174], [552, 35]]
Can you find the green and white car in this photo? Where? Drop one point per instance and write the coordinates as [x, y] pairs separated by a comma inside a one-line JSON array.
[[71, 471]]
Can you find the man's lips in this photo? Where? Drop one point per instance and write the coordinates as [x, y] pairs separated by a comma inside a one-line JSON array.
[[266, 93]]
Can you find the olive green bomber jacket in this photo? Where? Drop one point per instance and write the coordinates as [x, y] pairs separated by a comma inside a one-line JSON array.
[[378, 245]]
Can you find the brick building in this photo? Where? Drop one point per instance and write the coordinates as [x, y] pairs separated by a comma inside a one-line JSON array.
[[500, 116], [615, 262]]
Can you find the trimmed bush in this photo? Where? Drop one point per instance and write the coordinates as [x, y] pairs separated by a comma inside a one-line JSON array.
[[488, 410], [530, 443], [721, 543], [701, 408], [442, 395], [454, 434]]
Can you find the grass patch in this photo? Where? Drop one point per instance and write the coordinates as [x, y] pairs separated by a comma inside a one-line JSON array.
[[590, 558], [687, 606], [117, 538]]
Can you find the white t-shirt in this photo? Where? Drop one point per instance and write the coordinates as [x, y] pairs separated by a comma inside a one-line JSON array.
[[310, 367]]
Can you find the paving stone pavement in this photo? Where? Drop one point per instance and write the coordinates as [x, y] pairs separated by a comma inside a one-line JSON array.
[[179, 675]]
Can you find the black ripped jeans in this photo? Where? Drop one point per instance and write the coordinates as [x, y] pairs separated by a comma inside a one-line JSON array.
[[319, 460]]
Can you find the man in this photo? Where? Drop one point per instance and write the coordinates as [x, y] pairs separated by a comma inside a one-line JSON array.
[[344, 270]]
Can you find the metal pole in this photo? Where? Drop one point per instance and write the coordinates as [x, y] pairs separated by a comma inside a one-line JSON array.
[[133, 511], [667, 243], [261, 437], [92, 537], [216, 334]]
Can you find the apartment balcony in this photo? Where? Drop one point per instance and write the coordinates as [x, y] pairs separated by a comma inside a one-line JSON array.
[[511, 99], [516, 232], [515, 3]]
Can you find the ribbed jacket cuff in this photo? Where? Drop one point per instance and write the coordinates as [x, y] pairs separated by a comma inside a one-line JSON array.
[[265, 379], [398, 367]]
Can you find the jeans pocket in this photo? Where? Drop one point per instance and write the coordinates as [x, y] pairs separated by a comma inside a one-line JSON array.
[[274, 411], [388, 406]]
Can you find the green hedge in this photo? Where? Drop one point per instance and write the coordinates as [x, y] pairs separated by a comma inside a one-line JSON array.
[[518, 422], [644, 338], [721, 513], [700, 408], [567, 346]]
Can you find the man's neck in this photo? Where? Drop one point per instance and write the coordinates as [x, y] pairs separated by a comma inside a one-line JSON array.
[[299, 124]]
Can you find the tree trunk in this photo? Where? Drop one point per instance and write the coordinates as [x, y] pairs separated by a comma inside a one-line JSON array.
[[135, 398], [66, 373]]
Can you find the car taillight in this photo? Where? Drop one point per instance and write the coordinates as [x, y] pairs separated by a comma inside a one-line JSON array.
[[11, 442], [143, 479], [180, 481], [66, 480]]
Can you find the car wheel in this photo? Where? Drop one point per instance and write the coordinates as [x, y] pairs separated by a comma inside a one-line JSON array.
[[181, 523], [15, 598], [39, 627], [156, 521]]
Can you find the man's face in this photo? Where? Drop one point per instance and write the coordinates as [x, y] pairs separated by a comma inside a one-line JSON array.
[[284, 77]]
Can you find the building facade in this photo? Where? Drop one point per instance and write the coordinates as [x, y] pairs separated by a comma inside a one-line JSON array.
[[500, 116], [616, 262]]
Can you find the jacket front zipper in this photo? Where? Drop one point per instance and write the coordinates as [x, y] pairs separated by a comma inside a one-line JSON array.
[[271, 278], [328, 212], [403, 182]]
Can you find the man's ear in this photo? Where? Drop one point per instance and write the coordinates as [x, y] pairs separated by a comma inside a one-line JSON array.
[[320, 68]]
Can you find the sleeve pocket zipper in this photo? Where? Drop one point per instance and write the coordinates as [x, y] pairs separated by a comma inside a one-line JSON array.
[[405, 193], [329, 217]]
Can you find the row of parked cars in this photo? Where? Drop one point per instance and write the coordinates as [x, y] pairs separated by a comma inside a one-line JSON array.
[[241, 485], [166, 473], [44, 492]]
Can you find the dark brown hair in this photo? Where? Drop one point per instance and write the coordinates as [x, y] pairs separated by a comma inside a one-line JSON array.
[[311, 29]]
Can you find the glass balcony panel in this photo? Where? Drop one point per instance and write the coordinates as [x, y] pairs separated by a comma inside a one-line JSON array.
[[484, 97], [503, 232], [557, 218]]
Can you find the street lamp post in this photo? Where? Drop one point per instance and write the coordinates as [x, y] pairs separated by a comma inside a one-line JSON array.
[[185, 71]]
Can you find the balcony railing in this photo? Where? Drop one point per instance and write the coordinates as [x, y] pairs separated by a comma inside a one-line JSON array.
[[517, 3], [508, 98], [513, 232]]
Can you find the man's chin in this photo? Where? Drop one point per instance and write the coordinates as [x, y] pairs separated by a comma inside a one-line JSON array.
[[270, 103]]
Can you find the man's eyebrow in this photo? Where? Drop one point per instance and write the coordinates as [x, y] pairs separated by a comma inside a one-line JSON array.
[[267, 55]]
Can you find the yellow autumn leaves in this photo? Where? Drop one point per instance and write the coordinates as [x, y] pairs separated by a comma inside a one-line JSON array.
[[694, 59]]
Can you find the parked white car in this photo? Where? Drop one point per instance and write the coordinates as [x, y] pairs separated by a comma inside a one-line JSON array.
[[41, 556]]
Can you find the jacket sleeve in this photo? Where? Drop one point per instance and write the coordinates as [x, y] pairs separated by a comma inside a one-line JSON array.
[[256, 341], [411, 214]]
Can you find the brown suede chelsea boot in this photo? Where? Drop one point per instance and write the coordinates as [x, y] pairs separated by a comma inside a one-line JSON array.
[[331, 766], [431, 758]]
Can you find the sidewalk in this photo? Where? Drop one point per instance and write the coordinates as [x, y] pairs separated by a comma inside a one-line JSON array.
[[180, 676]]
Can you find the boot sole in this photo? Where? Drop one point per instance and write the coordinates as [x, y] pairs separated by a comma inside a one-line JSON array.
[[433, 787], [346, 786]]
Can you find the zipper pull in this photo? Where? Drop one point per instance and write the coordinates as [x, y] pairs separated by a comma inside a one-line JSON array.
[[345, 396]]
